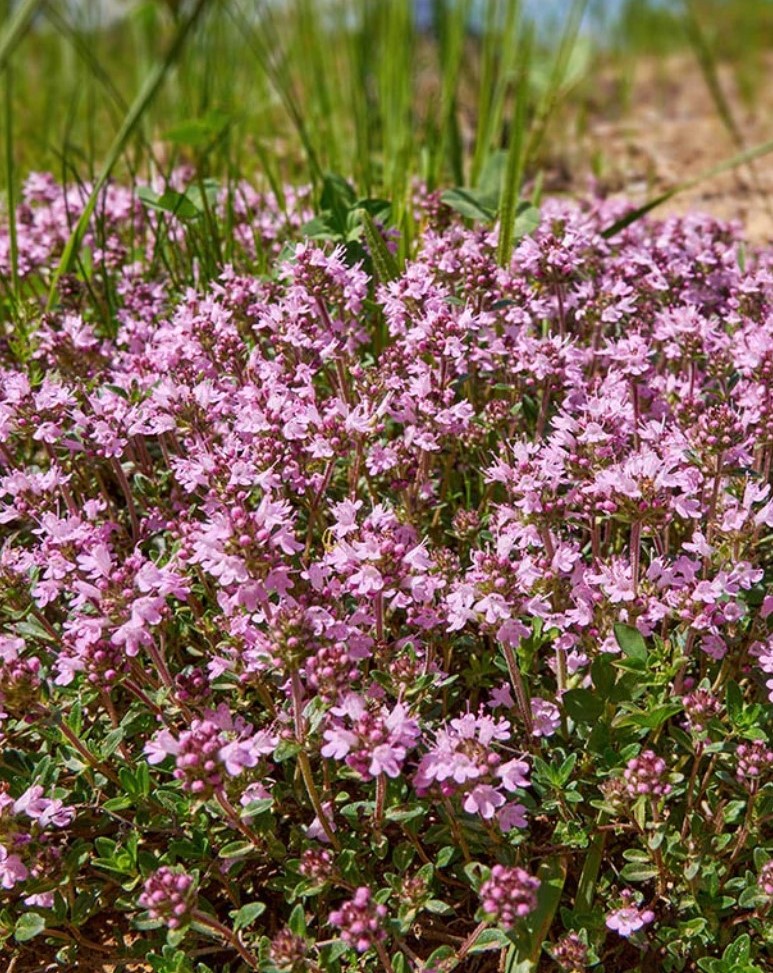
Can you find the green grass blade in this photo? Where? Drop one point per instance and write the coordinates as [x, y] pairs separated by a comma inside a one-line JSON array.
[[498, 63], [586, 887], [708, 66], [384, 263], [742, 158], [707, 62], [266, 44], [525, 955], [515, 158], [132, 119], [553, 92], [16, 28], [10, 178]]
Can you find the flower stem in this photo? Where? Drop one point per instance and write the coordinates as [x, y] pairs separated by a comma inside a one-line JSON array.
[[228, 935], [519, 688], [87, 755], [233, 816], [457, 831], [384, 957], [378, 814], [311, 790], [466, 946]]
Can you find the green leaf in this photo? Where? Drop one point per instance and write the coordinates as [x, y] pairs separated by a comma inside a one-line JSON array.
[[710, 965], [405, 813], [105, 846], [175, 936], [603, 674], [259, 806], [286, 749], [248, 914], [749, 898], [112, 742], [472, 203], [28, 925], [631, 642], [476, 874], [334, 951], [398, 963], [490, 939], [650, 719], [236, 849], [170, 201], [527, 219], [583, 706], [738, 951], [638, 872], [384, 262], [734, 701], [198, 132], [564, 772], [440, 955], [297, 921], [118, 804], [337, 199], [438, 907]]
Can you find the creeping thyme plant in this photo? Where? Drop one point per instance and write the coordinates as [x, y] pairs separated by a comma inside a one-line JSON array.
[[374, 614]]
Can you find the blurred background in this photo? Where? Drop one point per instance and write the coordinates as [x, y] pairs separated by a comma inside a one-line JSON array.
[[633, 97]]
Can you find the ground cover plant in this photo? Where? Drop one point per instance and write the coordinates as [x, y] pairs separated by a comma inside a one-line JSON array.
[[360, 615], [385, 556]]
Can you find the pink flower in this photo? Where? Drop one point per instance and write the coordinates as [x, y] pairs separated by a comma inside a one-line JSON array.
[[509, 894], [512, 816], [629, 919], [546, 717], [483, 799], [12, 869], [360, 920], [316, 830]]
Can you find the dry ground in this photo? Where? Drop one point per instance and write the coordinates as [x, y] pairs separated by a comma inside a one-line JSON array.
[[669, 132]]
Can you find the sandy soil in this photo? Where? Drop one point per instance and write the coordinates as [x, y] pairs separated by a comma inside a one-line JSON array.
[[671, 132]]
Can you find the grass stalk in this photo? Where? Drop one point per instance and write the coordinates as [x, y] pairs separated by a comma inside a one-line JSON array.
[[130, 123]]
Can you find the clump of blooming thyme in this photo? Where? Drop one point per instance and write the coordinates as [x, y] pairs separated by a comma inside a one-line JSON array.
[[754, 762], [360, 920], [509, 894], [324, 591], [646, 774], [169, 895]]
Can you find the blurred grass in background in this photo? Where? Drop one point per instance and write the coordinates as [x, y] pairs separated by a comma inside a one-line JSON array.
[[474, 93]]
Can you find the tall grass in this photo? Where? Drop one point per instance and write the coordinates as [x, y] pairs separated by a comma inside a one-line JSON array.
[[287, 92]]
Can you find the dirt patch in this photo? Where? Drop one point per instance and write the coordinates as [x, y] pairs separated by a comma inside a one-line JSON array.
[[669, 132]]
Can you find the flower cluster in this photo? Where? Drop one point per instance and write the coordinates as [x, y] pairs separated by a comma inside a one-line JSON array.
[[509, 894], [328, 586], [28, 840], [465, 761], [373, 741], [170, 896], [645, 774], [754, 762], [210, 748], [360, 920]]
